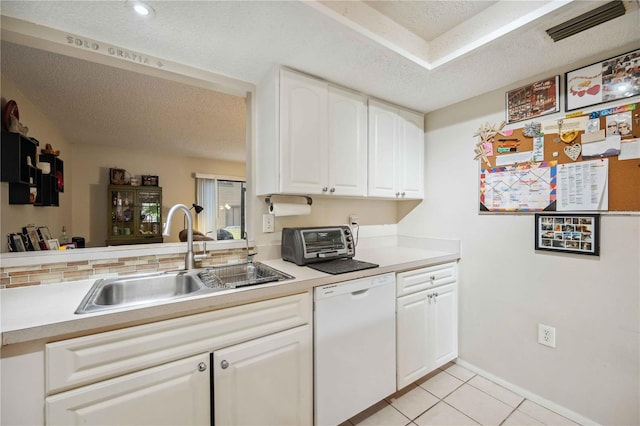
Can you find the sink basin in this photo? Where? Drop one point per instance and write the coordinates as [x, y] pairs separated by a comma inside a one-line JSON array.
[[123, 292], [127, 291], [135, 290], [240, 275]]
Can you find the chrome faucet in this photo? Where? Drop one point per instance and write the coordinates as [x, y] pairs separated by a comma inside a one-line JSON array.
[[189, 259], [249, 255]]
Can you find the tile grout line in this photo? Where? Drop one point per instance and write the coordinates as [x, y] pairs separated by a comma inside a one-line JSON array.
[[478, 389], [403, 414], [461, 412], [488, 394], [442, 399]]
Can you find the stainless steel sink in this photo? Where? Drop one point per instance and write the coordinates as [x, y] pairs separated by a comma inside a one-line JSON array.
[[141, 289], [136, 290]]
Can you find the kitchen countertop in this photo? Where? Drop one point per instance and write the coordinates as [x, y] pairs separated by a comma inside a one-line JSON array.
[[47, 311]]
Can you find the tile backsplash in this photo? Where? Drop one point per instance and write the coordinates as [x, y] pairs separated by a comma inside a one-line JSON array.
[[41, 274]]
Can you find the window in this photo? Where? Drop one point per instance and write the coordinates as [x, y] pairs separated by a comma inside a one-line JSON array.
[[223, 203]]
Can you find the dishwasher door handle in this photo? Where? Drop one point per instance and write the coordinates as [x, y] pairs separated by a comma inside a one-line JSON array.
[[359, 292]]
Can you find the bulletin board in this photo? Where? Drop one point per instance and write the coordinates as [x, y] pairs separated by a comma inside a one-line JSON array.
[[512, 160]]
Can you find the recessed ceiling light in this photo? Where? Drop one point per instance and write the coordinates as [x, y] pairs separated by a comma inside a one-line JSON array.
[[141, 8]]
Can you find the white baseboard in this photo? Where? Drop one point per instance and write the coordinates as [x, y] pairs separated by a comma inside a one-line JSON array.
[[571, 415]]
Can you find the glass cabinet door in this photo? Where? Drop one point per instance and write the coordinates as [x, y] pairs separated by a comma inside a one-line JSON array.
[[150, 213], [122, 213]]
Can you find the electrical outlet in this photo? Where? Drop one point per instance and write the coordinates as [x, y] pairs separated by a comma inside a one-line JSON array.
[[353, 219], [547, 335], [268, 223]]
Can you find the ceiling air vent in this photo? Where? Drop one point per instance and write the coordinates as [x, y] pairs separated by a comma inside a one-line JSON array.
[[587, 20]]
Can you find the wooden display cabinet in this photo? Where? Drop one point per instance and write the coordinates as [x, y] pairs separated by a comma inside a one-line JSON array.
[[134, 215]]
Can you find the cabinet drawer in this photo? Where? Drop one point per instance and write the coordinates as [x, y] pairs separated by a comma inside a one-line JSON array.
[[424, 278], [74, 362]]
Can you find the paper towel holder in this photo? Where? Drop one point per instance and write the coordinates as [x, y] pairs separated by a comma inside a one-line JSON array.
[[268, 198]]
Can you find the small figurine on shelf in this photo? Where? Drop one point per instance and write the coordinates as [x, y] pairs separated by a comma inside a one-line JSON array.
[[17, 127], [48, 149], [11, 119]]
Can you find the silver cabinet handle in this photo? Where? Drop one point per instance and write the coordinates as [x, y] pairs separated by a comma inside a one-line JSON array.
[[432, 277], [332, 190], [397, 194], [224, 364], [403, 193], [202, 366], [325, 189]]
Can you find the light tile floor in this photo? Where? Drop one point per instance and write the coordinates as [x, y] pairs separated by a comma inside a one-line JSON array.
[[453, 395]]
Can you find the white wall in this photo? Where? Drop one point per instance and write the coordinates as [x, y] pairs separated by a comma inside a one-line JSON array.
[[175, 174], [14, 217], [507, 288]]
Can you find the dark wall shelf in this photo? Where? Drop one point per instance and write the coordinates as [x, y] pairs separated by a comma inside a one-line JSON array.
[[17, 166], [52, 183]]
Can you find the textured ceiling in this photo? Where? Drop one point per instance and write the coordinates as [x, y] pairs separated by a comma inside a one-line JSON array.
[[429, 19], [423, 55], [98, 104]]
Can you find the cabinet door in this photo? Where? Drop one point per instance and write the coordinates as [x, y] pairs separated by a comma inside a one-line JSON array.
[[149, 213], [427, 332], [122, 221], [411, 155], [177, 393], [383, 136], [303, 134], [413, 337], [347, 165], [445, 324], [267, 381]]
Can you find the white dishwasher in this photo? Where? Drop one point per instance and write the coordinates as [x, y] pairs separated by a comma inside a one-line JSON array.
[[354, 347]]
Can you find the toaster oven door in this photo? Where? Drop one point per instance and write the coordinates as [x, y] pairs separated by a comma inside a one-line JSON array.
[[328, 242]]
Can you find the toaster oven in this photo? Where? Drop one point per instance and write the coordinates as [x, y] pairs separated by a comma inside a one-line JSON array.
[[303, 246]]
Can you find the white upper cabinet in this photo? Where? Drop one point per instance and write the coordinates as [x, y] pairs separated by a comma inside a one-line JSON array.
[[315, 138], [303, 134], [411, 155], [383, 153], [312, 137], [347, 145], [396, 152]]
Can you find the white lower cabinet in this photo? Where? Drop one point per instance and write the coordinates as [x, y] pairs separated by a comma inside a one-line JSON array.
[[266, 381], [176, 393], [160, 373], [426, 329]]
